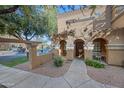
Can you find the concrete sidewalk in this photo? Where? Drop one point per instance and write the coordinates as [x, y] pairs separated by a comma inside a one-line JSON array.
[[76, 77]]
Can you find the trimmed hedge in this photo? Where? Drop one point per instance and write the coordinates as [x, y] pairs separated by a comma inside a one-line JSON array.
[[58, 61], [94, 63]]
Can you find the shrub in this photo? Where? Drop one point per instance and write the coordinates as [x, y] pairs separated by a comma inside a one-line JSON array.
[[58, 61], [94, 63]]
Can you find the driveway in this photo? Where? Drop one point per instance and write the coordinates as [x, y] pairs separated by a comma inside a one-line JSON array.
[[76, 77]]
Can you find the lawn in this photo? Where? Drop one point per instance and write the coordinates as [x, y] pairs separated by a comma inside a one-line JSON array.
[[14, 62]]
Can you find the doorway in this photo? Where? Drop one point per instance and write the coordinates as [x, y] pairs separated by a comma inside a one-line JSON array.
[[63, 48], [79, 48]]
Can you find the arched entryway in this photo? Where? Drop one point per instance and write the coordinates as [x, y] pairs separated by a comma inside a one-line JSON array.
[[100, 51], [63, 51], [79, 48]]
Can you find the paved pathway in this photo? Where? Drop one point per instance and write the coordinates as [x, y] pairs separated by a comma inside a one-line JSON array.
[[76, 77]]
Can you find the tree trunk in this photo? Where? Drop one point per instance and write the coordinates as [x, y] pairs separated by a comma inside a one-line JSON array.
[[9, 10]]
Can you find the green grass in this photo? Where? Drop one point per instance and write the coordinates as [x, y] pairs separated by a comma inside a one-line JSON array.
[[94, 63], [15, 61]]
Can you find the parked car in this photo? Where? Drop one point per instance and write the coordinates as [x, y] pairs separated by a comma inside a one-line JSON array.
[[21, 49]]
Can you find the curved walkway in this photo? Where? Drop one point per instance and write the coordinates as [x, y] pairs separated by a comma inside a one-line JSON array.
[[76, 77]]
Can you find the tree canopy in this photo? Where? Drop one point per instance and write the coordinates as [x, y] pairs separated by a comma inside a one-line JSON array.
[[25, 22]]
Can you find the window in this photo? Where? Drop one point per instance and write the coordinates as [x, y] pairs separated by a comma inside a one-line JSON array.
[[97, 47], [96, 50]]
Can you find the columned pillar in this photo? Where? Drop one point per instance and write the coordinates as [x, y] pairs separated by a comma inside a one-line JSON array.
[[70, 53], [88, 51], [32, 55], [115, 54]]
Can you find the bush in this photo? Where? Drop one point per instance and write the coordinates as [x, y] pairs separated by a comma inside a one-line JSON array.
[[94, 63], [58, 61]]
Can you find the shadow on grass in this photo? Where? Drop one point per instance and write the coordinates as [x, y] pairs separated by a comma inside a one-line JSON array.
[[15, 61]]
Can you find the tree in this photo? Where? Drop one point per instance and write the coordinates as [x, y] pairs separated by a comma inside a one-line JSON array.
[[9, 10], [28, 21]]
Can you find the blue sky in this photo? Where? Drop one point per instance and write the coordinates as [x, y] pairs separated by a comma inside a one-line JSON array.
[[60, 10]]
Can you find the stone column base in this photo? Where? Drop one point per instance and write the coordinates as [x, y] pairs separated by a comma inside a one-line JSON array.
[[70, 54]]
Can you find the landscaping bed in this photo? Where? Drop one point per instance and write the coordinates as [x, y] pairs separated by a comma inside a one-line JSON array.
[[110, 75], [94, 63], [48, 68]]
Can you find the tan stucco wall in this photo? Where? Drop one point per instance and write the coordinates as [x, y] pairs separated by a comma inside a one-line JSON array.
[[79, 26], [39, 60], [70, 54], [55, 52], [35, 60], [116, 57], [116, 46], [118, 22], [87, 54], [44, 58], [70, 41], [32, 55], [116, 37]]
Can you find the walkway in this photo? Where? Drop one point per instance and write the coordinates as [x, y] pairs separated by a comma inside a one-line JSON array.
[[76, 77]]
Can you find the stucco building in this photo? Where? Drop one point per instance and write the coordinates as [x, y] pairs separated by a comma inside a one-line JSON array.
[[98, 36]]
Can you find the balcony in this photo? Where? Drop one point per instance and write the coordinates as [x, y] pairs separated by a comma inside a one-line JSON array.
[[117, 11]]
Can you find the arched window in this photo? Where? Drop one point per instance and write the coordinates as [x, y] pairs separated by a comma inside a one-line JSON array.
[[100, 51]]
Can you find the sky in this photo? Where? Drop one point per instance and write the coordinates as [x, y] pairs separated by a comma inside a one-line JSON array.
[[60, 10]]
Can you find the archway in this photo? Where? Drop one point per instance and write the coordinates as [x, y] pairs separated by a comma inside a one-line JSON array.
[[63, 51], [79, 48], [100, 51]]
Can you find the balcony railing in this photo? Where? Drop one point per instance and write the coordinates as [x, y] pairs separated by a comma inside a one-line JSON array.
[[103, 22], [117, 10]]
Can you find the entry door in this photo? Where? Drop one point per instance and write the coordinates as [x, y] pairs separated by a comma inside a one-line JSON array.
[[79, 49]]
